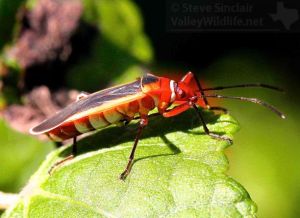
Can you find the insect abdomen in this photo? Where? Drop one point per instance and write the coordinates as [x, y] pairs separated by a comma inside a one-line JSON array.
[[85, 124], [72, 128]]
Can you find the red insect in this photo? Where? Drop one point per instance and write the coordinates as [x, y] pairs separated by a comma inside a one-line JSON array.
[[125, 102]]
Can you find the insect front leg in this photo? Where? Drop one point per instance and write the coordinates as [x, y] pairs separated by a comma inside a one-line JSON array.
[[176, 110], [185, 106], [207, 105], [206, 130], [70, 157], [143, 123], [191, 76]]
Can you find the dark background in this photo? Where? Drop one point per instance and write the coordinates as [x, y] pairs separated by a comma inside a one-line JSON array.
[[197, 50]]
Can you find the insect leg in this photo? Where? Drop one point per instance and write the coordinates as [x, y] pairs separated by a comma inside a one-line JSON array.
[[217, 108], [70, 157], [202, 92], [206, 130], [143, 123], [177, 110], [191, 76], [74, 146]]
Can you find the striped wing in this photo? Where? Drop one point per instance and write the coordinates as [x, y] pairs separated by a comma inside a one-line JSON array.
[[94, 102]]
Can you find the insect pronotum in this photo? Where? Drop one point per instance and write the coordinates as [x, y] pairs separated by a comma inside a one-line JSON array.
[[125, 102]]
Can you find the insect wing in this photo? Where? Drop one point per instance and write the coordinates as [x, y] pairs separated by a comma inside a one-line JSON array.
[[94, 102]]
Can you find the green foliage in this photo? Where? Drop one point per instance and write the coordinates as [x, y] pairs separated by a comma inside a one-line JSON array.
[[268, 146], [120, 46], [8, 11], [20, 156], [179, 172]]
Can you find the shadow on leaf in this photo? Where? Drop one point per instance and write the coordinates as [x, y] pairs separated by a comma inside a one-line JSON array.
[[158, 127]]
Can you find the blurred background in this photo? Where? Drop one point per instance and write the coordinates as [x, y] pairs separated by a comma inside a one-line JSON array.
[[51, 50]]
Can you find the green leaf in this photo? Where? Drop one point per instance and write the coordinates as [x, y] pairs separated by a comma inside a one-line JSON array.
[[178, 172], [20, 157]]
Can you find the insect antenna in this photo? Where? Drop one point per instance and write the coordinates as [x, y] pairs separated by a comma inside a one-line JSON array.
[[253, 100], [260, 85]]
